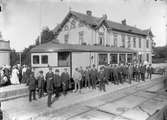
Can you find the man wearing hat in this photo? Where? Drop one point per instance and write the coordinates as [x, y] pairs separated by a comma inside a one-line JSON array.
[[94, 77], [49, 85], [101, 79], [65, 80], [41, 84], [32, 87], [57, 83]]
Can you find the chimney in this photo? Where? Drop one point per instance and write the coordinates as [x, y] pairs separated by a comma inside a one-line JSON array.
[[89, 12], [124, 22]]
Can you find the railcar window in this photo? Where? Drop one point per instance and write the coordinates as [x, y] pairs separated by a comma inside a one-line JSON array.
[[64, 59], [103, 59], [44, 59], [113, 58], [36, 59]]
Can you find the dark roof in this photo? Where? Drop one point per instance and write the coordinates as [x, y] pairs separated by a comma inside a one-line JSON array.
[[54, 47], [95, 21]]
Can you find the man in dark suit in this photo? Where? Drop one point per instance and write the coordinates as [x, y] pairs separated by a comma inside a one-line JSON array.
[[32, 87], [94, 77], [115, 75], [65, 81], [49, 85], [87, 77], [101, 79], [57, 83], [150, 71], [40, 84], [143, 71]]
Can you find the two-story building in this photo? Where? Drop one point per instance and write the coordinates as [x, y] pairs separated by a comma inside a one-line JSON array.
[[83, 40]]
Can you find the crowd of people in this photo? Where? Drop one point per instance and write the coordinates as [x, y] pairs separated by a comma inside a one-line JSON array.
[[55, 83], [14, 75]]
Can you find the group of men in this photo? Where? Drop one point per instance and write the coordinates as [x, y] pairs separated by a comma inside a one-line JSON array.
[[54, 82]]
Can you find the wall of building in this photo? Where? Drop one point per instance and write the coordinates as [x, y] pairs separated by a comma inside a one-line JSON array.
[[4, 58], [4, 52]]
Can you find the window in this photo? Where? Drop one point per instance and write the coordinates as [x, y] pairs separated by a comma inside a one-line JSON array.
[[44, 59], [113, 59], [73, 24], [101, 38], [147, 57], [134, 42], [36, 59], [115, 40], [102, 59], [129, 58], [139, 42], [147, 43], [66, 27], [66, 37], [63, 59], [122, 58], [129, 38], [123, 41], [80, 24], [81, 37]]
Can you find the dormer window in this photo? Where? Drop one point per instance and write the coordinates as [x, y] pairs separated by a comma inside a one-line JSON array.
[[73, 24]]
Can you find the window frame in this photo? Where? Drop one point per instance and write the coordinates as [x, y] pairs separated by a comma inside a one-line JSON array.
[[123, 40], [114, 61], [115, 36], [139, 42], [134, 42], [68, 62], [42, 59], [147, 43], [105, 56], [81, 37], [66, 36], [38, 59]]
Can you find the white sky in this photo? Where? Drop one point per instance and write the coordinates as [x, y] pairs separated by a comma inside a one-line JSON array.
[[19, 22]]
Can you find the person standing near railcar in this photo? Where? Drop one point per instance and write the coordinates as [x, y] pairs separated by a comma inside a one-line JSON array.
[[32, 87], [115, 75], [150, 71], [87, 77], [130, 73], [143, 70], [94, 77], [57, 83], [77, 77], [49, 85], [40, 84], [101, 79], [65, 81], [28, 72]]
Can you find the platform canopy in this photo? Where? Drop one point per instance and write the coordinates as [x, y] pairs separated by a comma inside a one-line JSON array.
[[55, 47]]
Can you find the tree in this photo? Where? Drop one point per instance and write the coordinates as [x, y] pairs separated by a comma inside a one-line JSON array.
[[14, 57], [46, 36]]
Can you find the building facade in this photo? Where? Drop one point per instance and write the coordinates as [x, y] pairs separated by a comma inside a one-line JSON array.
[[84, 40], [78, 28]]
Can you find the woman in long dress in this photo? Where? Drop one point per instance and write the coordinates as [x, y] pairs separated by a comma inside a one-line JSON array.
[[14, 77]]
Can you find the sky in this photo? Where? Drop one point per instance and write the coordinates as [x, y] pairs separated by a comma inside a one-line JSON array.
[[21, 20]]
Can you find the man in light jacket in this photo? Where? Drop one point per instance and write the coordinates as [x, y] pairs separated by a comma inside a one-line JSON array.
[[77, 78]]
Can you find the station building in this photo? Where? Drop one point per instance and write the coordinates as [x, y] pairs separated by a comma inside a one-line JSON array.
[[83, 40]]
